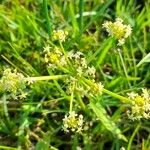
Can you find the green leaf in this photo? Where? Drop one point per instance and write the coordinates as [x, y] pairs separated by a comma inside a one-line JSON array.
[[107, 122], [44, 143], [144, 60]]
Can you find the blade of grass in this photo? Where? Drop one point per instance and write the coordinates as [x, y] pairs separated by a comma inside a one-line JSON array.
[[81, 7], [73, 19], [132, 136], [145, 59], [48, 23]]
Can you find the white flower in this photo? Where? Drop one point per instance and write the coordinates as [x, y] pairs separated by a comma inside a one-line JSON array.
[[73, 122], [63, 61], [128, 31], [23, 95], [132, 95], [91, 71], [70, 54], [46, 49], [118, 30], [121, 42], [60, 35], [79, 71], [145, 94], [77, 55], [140, 106], [83, 62]]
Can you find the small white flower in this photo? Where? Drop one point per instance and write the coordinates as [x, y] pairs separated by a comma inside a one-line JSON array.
[[23, 95], [146, 95], [73, 122], [70, 54], [140, 106], [60, 35], [118, 30], [83, 62], [63, 61], [46, 49], [132, 95], [79, 71], [91, 71], [121, 42]]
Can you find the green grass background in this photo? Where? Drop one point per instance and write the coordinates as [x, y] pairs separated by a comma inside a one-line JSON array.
[[26, 27]]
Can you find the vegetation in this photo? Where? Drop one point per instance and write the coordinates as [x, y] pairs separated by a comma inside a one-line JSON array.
[[74, 74]]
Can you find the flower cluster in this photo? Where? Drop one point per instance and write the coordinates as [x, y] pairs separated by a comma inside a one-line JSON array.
[[73, 122], [54, 57], [118, 30], [14, 83], [56, 60], [83, 88], [140, 105], [97, 88], [60, 35], [80, 64]]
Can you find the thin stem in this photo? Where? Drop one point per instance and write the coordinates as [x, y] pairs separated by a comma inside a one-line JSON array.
[[121, 98], [8, 148], [124, 67], [80, 101], [55, 77], [72, 95], [5, 108], [66, 57]]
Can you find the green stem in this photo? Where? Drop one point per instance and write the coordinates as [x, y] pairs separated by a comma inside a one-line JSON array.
[[72, 95], [49, 26], [66, 57], [81, 102], [8, 148], [5, 108], [55, 77], [124, 67], [121, 98]]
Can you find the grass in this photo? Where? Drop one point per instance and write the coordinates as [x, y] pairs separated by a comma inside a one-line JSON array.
[[36, 122]]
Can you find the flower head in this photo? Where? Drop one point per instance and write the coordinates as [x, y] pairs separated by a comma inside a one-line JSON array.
[[140, 107], [60, 35], [13, 82], [54, 56], [97, 88], [73, 122], [118, 30]]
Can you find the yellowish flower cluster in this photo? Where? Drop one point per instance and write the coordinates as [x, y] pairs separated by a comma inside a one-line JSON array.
[[84, 89], [97, 88], [57, 60], [73, 122], [13, 82], [60, 35], [80, 64], [118, 30], [53, 57], [140, 105]]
